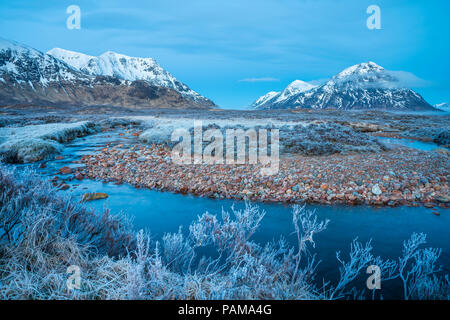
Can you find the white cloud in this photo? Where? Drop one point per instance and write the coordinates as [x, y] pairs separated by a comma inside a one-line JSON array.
[[391, 79]]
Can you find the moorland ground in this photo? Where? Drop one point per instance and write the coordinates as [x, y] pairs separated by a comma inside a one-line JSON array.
[[327, 156]]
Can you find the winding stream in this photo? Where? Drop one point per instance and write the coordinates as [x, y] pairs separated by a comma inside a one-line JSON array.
[[163, 212]]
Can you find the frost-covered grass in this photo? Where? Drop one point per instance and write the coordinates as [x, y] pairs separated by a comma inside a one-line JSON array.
[[36, 142], [326, 139], [159, 130], [303, 137], [443, 138], [43, 232]]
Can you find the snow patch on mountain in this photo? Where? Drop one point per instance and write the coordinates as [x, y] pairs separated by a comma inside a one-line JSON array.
[[360, 69], [268, 96], [294, 88], [80, 61]]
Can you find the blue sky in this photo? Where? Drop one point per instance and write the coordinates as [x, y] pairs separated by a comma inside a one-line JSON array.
[[234, 51]]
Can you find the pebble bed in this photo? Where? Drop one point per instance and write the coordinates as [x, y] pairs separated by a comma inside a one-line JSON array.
[[397, 177]]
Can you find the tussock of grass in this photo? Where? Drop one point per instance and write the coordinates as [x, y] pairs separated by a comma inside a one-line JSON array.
[[36, 142], [43, 232]]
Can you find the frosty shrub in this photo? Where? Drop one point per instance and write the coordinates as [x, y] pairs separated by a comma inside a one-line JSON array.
[[43, 232]]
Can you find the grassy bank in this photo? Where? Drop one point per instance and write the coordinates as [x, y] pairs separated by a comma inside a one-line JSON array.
[[36, 142], [43, 232]]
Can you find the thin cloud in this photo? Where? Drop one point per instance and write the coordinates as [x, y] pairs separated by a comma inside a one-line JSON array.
[[389, 80], [409, 80], [265, 79]]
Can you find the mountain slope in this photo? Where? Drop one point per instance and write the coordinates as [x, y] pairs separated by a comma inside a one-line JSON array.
[[266, 98], [125, 68], [28, 76], [362, 86], [443, 106]]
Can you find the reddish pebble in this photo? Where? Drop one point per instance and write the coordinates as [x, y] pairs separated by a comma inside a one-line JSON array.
[[78, 176], [65, 170]]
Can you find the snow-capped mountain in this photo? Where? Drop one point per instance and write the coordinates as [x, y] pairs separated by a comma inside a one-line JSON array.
[[292, 89], [24, 64], [265, 98], [125, 68], [443, 106], [28, 76], [362, 86]]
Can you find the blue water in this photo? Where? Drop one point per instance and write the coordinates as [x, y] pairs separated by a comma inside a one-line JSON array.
[[414, 144], [162, 212]]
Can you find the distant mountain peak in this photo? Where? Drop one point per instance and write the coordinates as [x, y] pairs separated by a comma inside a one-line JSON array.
[[268, 96], [361, 68], [367, 75], [444, 106], [295, 87], [362, 86]]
